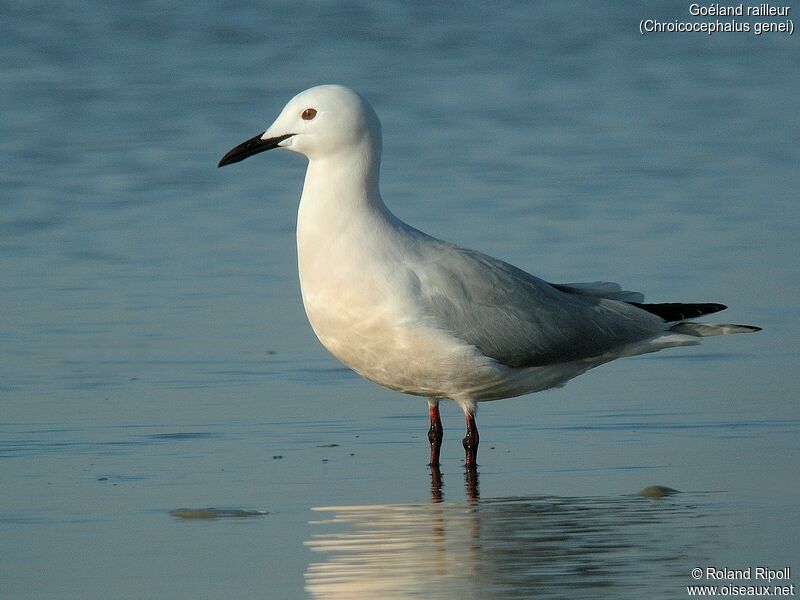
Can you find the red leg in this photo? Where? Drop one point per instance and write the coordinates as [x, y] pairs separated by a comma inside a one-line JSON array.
[[471, 440], [435, 433]]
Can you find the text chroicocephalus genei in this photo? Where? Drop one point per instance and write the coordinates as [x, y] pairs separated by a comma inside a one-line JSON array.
[[421, 316]]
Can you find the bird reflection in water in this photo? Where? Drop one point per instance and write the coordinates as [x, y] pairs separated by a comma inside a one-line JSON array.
[[471, 484], [542, 546]]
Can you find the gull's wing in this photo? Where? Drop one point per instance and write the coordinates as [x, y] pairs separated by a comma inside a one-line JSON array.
[[600, 289], [520, 320]]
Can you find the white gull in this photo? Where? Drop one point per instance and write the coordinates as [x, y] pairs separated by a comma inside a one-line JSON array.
[[422, 316]]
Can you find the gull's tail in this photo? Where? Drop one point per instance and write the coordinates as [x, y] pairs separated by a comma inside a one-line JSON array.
[[675, 312], [709, 329]]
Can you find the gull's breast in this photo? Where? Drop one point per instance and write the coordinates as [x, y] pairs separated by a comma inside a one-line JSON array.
[[377, 332]]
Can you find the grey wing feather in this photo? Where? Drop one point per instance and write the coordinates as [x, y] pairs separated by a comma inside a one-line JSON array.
[[520, 320], [600, 289]]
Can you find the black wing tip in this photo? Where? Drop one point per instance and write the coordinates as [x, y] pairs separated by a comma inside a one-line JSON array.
[[678, 311], [225, 160], [710, 307]]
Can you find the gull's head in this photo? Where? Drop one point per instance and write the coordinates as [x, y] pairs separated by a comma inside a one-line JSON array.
[[320, 122]]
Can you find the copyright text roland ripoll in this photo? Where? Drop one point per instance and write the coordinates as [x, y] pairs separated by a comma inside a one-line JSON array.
[[752, 581]]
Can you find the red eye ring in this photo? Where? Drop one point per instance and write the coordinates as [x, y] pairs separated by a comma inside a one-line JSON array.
[[308, 114]]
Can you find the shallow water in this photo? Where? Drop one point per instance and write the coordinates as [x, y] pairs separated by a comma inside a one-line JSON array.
[[154, 354]]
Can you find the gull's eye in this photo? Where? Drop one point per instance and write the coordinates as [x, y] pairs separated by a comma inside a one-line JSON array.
[[308, 114]]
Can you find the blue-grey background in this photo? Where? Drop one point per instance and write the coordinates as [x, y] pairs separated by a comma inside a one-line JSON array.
[[154, 353]]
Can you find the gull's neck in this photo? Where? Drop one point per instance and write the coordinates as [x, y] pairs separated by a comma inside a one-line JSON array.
[[342, 226], [341, 195]]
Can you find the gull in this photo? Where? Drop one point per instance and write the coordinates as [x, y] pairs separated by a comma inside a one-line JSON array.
[[422, 316]]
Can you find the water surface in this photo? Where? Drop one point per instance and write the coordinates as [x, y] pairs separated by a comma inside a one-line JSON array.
[[154, 354]]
